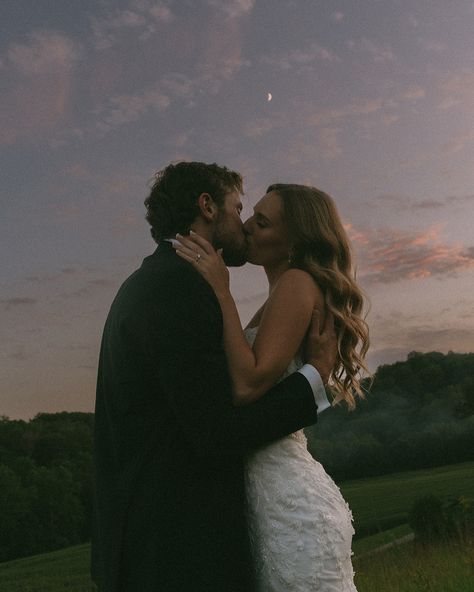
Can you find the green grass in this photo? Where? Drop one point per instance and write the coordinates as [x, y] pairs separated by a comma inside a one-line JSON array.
[[60, 571], [377, 504], [374, 541], [380, 503], [407, 568]]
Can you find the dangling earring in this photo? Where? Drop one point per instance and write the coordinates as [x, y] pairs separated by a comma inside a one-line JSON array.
[[290, 259]]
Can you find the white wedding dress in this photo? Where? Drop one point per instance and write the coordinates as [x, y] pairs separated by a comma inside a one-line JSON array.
[[300, 526]]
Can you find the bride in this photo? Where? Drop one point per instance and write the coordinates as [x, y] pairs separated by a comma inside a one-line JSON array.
[[300, 525]]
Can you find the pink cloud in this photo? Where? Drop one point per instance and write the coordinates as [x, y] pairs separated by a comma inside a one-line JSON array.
[[387, 255]]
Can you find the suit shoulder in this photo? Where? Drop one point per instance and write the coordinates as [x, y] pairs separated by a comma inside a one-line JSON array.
[[165, 280]]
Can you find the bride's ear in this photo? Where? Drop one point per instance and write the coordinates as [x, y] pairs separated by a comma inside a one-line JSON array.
[[207, 207]]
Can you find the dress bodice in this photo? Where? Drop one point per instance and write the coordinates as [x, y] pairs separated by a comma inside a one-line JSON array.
[[299, 524]]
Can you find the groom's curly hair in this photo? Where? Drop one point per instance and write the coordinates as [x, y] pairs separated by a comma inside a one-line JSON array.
[[171, 206]]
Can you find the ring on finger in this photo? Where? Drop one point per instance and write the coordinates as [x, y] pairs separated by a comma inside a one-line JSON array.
[[198, 257]]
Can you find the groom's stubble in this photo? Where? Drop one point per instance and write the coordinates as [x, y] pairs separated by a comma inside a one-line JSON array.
[[229, 235]]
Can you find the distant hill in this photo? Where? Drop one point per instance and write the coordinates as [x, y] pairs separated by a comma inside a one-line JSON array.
[[416, 414]]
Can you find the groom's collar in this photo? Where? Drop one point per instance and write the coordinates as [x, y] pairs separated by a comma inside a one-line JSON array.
[[171, 241], [165, 246]]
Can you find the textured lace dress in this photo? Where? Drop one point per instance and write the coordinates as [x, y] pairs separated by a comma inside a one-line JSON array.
[[300, 526]]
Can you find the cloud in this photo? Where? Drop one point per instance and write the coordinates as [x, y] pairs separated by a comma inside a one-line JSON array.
[[141, 17], [123, 109], [178, 85], [233, 8], [378, 53], [44, 52], [368, 107], [458, 142], [469, 252], [457, 89], [432, 46], [390, 118], [222, 57], [46, 60], [413, 93], [337, 16], [329, 143], [407, 202], [365, 107], [11, 303], [20, 354], [301, 59], [388, 256], [259, 127]]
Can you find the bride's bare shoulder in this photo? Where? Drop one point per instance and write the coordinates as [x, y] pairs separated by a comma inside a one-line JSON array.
[[301, 284]]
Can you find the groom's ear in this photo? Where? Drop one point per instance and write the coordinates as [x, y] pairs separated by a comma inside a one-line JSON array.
[[207, 207]]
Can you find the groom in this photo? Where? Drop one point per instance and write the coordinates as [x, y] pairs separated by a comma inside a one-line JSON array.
[[169, 445]]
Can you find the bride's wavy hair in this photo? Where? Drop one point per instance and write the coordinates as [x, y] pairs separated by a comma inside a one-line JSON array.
[[320, 246]]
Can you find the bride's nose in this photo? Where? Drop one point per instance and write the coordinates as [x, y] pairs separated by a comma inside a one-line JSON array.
[[247, 226]]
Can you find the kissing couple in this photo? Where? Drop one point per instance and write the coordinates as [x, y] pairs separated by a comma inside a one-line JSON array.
[[203, 479]]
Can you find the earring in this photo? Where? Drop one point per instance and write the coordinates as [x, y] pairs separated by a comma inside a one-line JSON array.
[[290, 258]]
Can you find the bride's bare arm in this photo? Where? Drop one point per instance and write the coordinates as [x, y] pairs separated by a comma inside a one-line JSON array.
[[282, 328]]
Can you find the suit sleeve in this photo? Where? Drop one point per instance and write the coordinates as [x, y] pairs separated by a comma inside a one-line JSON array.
[[184, 336]]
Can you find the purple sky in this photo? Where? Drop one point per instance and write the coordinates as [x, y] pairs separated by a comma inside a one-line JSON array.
[[372, 101]]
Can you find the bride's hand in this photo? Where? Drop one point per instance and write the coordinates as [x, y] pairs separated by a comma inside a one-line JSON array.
[[203, 257]]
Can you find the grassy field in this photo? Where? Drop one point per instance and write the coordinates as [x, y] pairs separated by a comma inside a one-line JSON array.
[[443, 568], [60, 571], [377, 504], [367, 544], [380, 503]]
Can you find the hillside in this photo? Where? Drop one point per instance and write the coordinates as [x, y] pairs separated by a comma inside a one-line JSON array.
[[416, 414]]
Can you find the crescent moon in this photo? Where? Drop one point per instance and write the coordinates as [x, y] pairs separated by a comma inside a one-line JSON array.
[[269, 97]]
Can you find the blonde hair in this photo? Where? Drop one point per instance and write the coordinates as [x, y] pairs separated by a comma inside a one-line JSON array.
[[320, 246]]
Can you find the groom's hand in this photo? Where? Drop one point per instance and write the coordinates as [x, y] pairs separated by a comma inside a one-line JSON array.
[[321, 345]]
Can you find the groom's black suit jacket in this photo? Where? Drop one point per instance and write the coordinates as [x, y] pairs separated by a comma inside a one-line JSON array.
[[169, 445]]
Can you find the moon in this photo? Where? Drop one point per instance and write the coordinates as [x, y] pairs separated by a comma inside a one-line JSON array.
[[269, 97]]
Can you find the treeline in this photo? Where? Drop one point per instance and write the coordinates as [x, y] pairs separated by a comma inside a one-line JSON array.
[[416, 414], [45, 483]]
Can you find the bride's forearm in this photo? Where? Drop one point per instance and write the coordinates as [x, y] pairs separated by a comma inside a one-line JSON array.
[[242, 362]]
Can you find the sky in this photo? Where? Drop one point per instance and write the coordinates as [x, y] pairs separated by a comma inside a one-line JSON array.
[[371, 101]]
